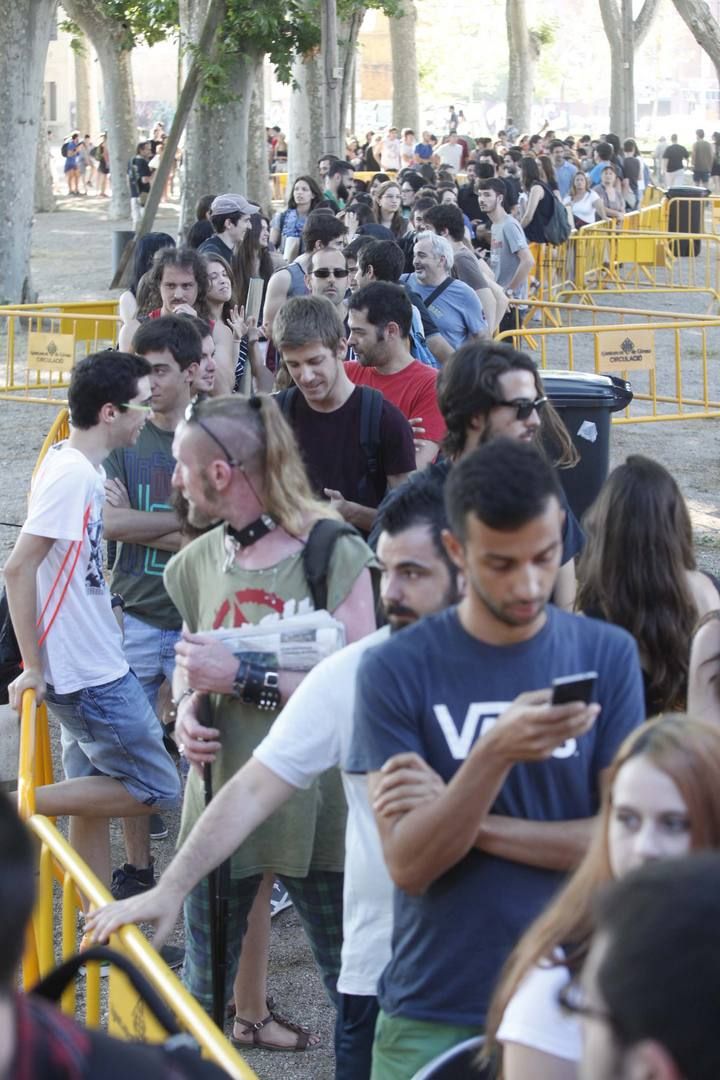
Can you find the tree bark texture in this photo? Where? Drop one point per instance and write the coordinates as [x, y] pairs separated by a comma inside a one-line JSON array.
[[258, 181], [703, 26], [44, 199], [84, 91], [348, 33], [23, 49], [624, 35], [305, 143], [406, 108], [120, 121], [332, 83], [215, 158], [523, 53]]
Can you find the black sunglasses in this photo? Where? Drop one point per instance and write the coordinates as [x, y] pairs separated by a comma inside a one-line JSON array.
[[325, 273], [191, 416], [524, 407]]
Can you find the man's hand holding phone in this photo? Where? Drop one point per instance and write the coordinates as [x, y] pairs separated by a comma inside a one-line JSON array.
[[532, 727]]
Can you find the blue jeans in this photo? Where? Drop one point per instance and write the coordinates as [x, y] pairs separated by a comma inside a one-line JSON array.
[[150, 652], [111, 730], [354, 1034]]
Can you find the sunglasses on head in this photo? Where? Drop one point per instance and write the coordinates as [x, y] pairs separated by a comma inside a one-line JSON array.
[[325, 273], [525, 407], [191, 417]]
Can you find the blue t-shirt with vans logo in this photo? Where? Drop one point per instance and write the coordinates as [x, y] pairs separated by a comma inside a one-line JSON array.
[[435, 689]]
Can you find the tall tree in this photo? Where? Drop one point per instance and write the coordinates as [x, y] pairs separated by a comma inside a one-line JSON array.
[[114, 27], [625, 34], [406, 106], [703, 26], [217, 138], [24, 40], [524, 45], [44, 197], [86, 105], [258, 179], [305, 144]]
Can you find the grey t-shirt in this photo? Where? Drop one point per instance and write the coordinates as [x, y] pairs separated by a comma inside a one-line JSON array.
[[467, 268], [506, 239]]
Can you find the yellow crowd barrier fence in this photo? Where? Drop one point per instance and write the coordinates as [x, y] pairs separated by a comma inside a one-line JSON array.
[[671, 364], [54, 931], [40, 344]]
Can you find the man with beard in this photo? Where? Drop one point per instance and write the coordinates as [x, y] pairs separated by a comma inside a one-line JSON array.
[[313, 734], [339, 176], [380, 319], [468, 690]]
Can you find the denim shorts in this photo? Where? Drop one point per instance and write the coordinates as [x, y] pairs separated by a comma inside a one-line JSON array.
[[150, 652], [111, 730]]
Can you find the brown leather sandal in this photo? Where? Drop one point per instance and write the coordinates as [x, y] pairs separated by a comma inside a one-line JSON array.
[[302, 1041]]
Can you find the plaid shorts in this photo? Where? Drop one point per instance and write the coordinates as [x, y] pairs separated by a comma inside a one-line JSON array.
[[318, 900]]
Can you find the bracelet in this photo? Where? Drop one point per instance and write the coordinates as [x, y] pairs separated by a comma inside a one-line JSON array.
[[174, 706], [256, 685]]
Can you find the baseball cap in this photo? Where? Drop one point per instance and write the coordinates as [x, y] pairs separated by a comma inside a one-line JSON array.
[[231, 204]]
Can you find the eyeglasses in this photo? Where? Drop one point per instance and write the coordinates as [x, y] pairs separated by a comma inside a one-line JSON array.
[[191, 416], [524, 407], [136, 406], [324, 273]]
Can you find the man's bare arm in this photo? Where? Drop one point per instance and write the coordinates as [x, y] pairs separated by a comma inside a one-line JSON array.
[[550, 845], [21, 587], [139, 526]]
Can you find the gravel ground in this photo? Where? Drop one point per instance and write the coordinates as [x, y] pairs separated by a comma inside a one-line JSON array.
[[71, 261]]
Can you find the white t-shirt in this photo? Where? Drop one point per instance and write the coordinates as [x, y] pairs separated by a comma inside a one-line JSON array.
[[584, 208], [313, 733], [534, 1018], [450, 154], [390, 154], [84, 645]]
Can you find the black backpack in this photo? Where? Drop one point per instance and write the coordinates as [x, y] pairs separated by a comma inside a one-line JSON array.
[[557, 228], [371, 406], [317, 555]]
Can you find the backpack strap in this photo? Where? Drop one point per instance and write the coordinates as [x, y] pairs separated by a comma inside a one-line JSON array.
[[317, 555], [440, 289], [285, 400], [371, 407]]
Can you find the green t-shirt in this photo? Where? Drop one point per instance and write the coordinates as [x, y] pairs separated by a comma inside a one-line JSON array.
[[146, 471], [297, 837]]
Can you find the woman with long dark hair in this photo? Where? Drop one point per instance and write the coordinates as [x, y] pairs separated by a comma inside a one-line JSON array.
[[253, 258], [638, 570], [661, 800], [539, 206], [289, 223]]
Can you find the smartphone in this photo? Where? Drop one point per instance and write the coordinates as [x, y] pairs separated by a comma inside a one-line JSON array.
[[574, 688]]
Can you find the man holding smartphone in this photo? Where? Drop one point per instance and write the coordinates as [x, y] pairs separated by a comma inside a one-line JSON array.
[[469, 691]]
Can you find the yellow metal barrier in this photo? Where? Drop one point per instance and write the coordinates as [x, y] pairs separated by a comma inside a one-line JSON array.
[[40, 343], [671, 364], [52, 937], [59, 431]]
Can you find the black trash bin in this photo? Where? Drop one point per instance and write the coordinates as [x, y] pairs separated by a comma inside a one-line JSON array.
[[584, 402], [120, 239], [686, 216]]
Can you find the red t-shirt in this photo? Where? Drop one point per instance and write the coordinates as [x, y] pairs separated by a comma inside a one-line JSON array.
[[413, 390]]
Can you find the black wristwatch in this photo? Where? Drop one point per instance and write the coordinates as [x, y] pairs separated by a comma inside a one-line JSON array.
[[257, 685]]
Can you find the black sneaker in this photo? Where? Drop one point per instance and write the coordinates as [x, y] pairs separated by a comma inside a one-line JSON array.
[[129, 881], [158, 828], [173, 956]]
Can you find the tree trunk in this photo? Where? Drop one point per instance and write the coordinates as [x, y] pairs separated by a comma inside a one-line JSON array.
[[23, 49], [306, 117], [349, 31], [44, 199], [332, 83], [105, 33], [258, 179], [86, 110], [215, 158], [624, 35], [522, 56], [406, 109], [704, 28]]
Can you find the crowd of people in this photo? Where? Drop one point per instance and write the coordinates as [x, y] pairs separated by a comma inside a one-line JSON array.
[[307, 411]]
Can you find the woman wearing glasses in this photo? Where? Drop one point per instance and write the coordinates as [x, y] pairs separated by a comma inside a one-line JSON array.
[[662, 800]]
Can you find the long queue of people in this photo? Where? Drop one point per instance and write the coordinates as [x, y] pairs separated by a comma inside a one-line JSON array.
[[440, 813]]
